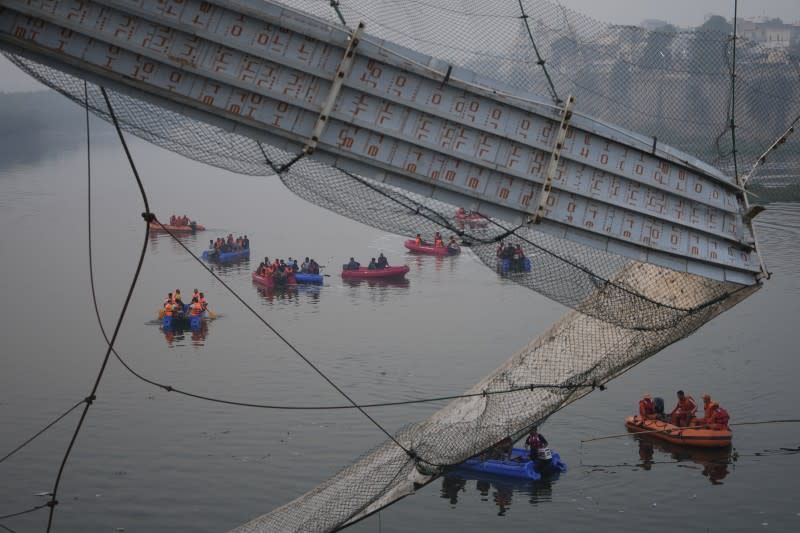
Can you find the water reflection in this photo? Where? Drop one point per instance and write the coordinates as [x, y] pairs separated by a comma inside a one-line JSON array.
[[289, 293], [237, 266], [377, 283], [176, 335], [160, 239], [419, 262], [498, 490], [713, 461]]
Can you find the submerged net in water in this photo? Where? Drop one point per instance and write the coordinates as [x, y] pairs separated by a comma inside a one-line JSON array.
[[671, 84]]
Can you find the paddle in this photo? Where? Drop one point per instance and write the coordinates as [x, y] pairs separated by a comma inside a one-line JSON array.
[[211, 314]]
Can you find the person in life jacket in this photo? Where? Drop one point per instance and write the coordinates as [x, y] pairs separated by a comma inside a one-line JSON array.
[[452, 243], [169, 299], [177, 298], [684, 410], [707, 410], [535, 442], [169, 308], [202, 299], [647, 409], [719, 417], [196, 308], [418, 240], [437, 241]]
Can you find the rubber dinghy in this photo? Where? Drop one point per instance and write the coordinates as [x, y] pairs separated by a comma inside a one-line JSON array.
[[269, 282], [183, 320], [392, 272], [506, 265], [518, 466], [429, 249], [471, 218], [303, 277], [688, 436], [223, 257], [190, 228]]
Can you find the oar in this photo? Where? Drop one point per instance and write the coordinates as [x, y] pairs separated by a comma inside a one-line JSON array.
[[211, 314]]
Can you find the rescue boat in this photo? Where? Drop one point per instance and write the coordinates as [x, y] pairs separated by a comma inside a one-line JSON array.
[[376, 273], [303, 277], [224, 257], [471, 218], [429, 249], [686, 436], [183, 320], [517, 466], [269, 281], [504, 265], [190, 228]]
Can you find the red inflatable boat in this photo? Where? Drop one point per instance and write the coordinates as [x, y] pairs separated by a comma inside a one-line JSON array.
[[376, 273], [429, 249]]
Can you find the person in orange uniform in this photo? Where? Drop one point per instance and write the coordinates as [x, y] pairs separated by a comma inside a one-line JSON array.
[[196, 308], [169, 307], [684, 410], [707, 410], [646, 408], [418, 240], [437, 241], [719, 417], [202, 299]]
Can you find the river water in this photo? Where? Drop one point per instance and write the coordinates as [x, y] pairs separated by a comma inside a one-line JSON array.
[[150, 460]]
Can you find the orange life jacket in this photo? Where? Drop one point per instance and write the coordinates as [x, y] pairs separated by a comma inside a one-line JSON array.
[[418, 240], [197, 308], [687, 405], [288, 269], [168, 309], [439, 243]]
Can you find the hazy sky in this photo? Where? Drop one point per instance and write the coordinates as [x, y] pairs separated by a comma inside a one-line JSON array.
[[678, 12]]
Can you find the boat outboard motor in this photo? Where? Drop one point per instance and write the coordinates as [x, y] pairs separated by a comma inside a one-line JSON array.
[[544, 461], [658, 407]]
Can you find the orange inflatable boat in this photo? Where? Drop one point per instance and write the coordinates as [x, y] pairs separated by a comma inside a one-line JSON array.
[[190, 228], [688, 436]]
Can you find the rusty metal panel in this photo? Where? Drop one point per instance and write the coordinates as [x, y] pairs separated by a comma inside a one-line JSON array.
[[264, 66]]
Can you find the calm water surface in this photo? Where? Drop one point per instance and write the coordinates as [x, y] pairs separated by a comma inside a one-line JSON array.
[[149, 460]]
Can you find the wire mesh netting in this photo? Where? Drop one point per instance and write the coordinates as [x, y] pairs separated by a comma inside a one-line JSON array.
[[672, 84]]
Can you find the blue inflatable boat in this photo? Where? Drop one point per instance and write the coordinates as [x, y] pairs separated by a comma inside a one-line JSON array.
[[518, 466], [308, 278], [223, 257], [504, 265], [183, 320]]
